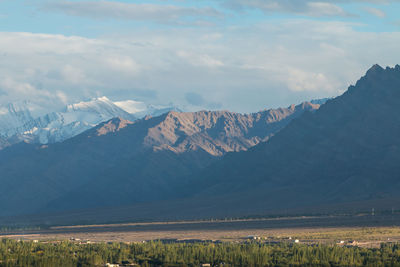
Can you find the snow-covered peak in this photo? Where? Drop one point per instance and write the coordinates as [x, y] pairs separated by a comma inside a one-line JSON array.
[[16, 107], [95, 111], [98, 105], [132, 106], [22, 107], [90, 104], [14, 117], [18, 124], [140, 109], [25, 121]]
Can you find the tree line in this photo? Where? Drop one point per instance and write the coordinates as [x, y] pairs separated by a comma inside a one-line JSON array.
[[156, 253]]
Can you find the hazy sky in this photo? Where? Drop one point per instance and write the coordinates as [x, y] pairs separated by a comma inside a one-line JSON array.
[[241, 55]]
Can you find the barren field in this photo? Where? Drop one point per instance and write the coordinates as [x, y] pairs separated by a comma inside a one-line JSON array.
[[368, 231]]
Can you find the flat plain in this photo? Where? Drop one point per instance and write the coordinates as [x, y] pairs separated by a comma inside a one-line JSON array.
[[360, 230]]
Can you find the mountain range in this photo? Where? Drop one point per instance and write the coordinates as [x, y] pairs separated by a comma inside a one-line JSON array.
[[138, 161], [339, 156], [18, 123]]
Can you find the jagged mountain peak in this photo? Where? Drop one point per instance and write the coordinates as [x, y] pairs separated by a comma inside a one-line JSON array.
[[377, 73], [307, 105], [219, 132], [18, 106], [310, 106], [215, 132], [376, 68], [24, 106], [112, 126], [14, 117]]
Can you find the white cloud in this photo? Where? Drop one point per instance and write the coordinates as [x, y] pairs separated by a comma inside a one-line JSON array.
[[244, 68], [131, 11], [72, 74], [300, 7], [299, 80], [375, 11], [320, 9], [312, 8], [123, 64], [3, 111], [196, 59], [62, 97]]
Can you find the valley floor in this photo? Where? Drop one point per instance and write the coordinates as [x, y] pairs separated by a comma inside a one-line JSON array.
[[362, 230]]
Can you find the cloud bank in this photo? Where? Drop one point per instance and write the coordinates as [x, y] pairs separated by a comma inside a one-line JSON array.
[[231, 54], [242, 69]]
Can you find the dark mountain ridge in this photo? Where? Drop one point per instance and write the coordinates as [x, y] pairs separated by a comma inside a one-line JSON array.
[[347, 151]]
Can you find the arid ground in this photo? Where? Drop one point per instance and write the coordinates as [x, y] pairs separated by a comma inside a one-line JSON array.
[[365, 230]]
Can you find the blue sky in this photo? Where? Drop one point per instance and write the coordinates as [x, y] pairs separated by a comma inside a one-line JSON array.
[[241, 55], [48, 16]]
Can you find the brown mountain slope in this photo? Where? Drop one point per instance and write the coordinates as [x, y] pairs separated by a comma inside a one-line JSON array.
[[215, 132]]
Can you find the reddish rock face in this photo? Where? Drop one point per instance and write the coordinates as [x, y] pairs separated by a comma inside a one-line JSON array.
[[112, 126], [219, 132], [215, 132]]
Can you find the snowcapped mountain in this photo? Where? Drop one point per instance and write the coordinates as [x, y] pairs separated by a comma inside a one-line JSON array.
[[23, 121], [17, 117], [140, 109], [13, 118], [74, 119]]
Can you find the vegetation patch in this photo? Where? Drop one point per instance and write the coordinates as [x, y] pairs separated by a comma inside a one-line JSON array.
[[157, 253]]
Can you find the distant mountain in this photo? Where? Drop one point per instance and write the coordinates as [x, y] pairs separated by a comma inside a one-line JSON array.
[[17, 123], [16, 118], [121, 162]]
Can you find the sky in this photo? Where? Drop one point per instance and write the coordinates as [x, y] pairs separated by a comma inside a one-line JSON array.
[[238, 55]]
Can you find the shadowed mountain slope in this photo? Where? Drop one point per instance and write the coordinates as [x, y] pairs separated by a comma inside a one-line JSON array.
[[121, 162], [347, 151]]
